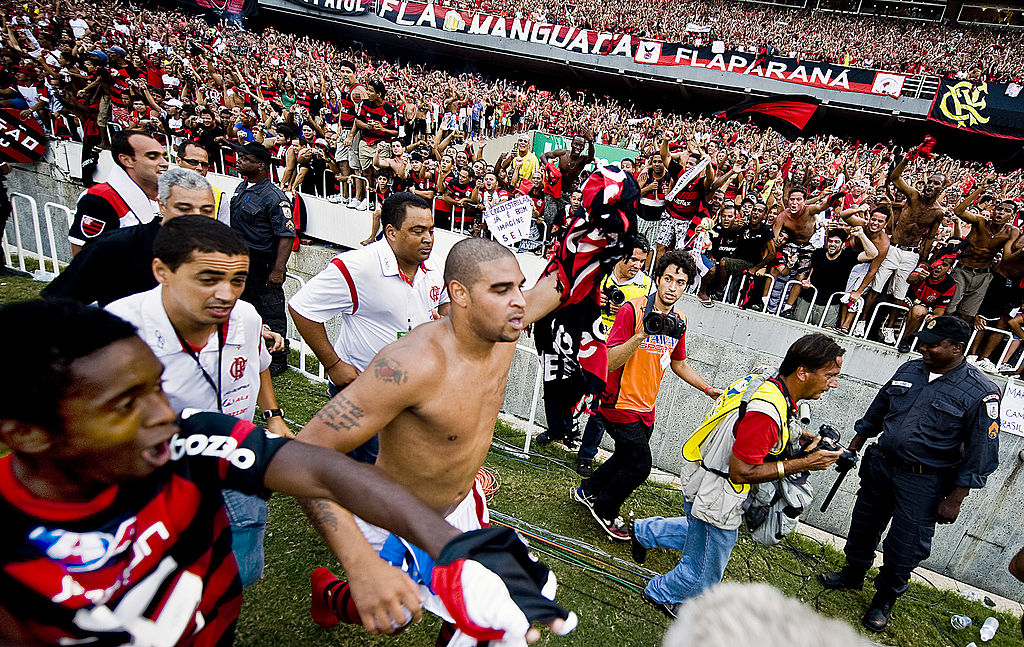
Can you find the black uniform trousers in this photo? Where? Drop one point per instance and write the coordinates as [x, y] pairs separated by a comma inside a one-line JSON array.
[[890, 492], [626, 469], [268, 300]]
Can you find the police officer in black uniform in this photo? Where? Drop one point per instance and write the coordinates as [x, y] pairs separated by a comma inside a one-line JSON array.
[[262, 213], [939, 423]]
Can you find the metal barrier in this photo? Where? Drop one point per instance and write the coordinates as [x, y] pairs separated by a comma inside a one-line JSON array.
[[999, 331], [828, 304], [69, 216], [878, 308], [19, 242]]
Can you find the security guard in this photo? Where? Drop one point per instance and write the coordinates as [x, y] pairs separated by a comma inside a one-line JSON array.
[[262, 213], [939, 423]]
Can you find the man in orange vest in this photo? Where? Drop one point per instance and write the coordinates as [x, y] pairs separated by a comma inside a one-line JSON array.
[[648, 336]]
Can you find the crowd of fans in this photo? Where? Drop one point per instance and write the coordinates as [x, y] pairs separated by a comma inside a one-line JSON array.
[[353, 128], [893, 44]]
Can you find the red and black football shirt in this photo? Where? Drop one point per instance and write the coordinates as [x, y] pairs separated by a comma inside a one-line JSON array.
[[145, 563]]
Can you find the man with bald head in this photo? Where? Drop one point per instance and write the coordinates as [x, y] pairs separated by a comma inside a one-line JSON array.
[[118, 263], [430, 443]]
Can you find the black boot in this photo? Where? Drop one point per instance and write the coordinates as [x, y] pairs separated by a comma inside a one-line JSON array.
[[877, 617], [844, 579]]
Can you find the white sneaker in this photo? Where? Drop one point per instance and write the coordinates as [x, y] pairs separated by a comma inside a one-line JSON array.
[[364, 205], [1006, 369], [858, 330], [889, 335], [986, 365], [352, 203], [335, 199]]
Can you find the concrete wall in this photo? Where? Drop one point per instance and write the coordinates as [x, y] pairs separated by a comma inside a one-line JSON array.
[[723, 344]]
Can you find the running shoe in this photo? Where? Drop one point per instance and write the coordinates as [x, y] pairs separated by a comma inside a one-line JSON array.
[[986, 365], [889, 335]]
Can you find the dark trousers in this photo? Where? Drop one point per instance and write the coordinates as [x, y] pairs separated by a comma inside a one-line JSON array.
[[268, 300], [906, 499], [560, 400], [626, 470], [592, 435]]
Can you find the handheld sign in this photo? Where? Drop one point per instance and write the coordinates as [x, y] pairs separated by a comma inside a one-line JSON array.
[[509, 222]]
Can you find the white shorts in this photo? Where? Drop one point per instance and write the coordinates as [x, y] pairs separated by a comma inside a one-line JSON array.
[[470, 514], [898, 263]]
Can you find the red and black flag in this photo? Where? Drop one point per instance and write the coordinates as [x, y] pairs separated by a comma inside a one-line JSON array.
[[298, 218], [21, 138], [787, 114]]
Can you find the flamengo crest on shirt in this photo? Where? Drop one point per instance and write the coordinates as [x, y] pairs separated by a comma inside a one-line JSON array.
[[21, 138]]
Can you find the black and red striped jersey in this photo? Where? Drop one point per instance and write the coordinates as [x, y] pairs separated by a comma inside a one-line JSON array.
[[934, 294], [385, 114], [347, 107], [148, 562], [426, 183]]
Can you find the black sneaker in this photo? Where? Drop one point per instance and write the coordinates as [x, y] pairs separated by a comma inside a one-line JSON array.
[[788, 312], [585, 468], [614, 528], [544, 439], [579, 494], [670, 610], [904, 346], [636, 549]]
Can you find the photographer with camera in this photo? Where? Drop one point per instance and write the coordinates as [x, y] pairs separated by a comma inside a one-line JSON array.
[[752, 436], [626, 281], [937, 422], [648, 336]]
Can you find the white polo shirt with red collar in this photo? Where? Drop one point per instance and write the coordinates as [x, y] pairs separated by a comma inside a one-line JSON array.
[[376, 300], [245, 356]]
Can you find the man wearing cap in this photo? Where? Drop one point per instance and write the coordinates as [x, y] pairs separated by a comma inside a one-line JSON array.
[[262, 213], [937, 422]]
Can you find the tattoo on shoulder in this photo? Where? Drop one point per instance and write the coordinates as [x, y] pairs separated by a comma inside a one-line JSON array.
[[341, 414], [386, 369]]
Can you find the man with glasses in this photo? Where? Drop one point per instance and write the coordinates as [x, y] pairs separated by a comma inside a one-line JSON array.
[[192, 156]]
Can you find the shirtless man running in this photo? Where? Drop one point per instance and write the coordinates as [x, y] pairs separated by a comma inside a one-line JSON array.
[[433, 396], [988, 237], [800, 220], [571, 163]]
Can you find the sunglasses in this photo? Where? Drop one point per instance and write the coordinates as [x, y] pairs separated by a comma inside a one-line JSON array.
[[194, 162]]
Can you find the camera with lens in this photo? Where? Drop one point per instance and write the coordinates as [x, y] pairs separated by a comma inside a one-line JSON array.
[[830, 442], [671, 325], [612, 295]]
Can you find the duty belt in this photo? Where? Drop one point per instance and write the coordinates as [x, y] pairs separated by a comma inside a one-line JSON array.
[[906, 466]]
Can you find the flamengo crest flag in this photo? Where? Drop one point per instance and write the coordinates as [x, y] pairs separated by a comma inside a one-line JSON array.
[[985, 108]]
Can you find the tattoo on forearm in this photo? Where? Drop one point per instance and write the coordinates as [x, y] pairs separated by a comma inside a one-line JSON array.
[[321, 513], [340, 414], [388, 370]]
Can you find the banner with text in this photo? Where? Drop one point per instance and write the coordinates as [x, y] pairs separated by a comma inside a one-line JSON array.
[[995, 109], [603, 154], [1011, 409], [651, 52], [509, 222]]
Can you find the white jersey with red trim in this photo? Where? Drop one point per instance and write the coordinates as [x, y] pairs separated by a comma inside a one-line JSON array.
[[376, 301]]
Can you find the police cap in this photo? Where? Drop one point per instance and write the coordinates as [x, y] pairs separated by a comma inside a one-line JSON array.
[[945, 327], [257, 150]]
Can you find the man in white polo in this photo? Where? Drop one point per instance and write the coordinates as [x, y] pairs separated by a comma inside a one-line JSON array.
[[380, 292], [210, 344]]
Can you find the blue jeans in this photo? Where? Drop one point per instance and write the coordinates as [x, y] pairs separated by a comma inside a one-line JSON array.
[[592, 435], [706, 551], [248, 516], [365, 453]]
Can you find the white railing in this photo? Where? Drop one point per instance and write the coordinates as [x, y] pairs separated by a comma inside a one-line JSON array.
[[18, 200]]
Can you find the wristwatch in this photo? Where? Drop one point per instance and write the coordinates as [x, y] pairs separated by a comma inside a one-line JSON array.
[[270, 413]]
